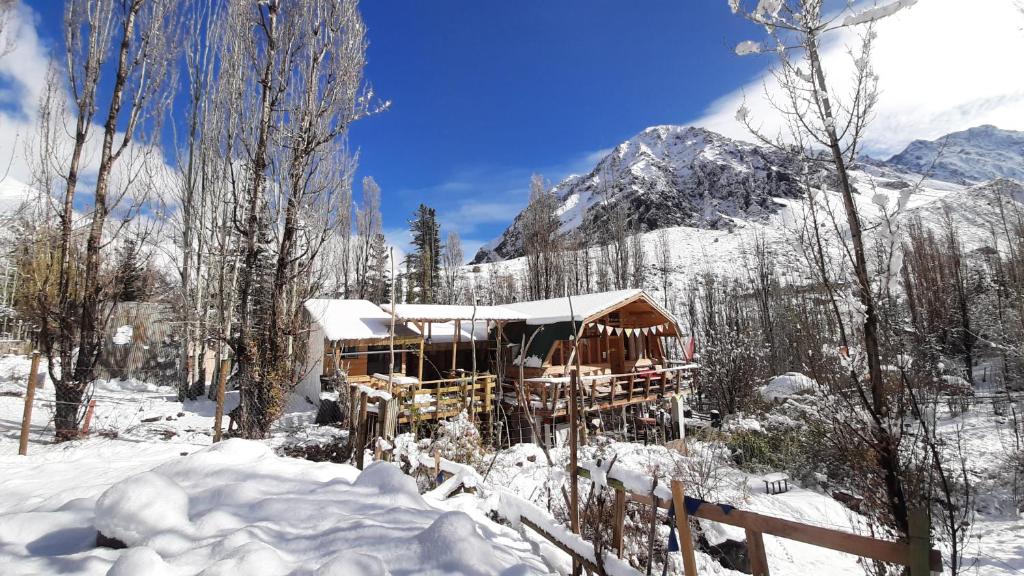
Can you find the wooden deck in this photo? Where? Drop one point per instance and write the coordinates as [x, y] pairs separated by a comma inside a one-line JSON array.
[[549, 395], [440, 399]]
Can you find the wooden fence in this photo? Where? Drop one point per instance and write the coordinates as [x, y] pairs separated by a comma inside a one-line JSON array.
[[916, 554]]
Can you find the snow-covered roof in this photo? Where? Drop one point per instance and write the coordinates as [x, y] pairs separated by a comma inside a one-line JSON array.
[[445, 312], [583, 306], [351, 319], [444, 332]]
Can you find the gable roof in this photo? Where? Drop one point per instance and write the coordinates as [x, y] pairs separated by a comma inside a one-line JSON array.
[[350, 320], [583, 306]]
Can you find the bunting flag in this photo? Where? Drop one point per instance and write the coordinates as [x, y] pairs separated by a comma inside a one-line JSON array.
[[618, 331]]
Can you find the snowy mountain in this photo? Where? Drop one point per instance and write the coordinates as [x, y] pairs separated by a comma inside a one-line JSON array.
[[668, 176], [975, 155], [687, 177]]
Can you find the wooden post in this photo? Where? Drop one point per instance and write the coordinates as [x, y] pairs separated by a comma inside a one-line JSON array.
[[683, 527], [88, 417], [419, 374], [455, 344], [218, 414], [920, 542], [30, 396], [574, 481], [620, 521], [756, 554], [360, 443]]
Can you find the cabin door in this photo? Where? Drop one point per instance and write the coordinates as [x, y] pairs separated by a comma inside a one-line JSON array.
[[617, 354]]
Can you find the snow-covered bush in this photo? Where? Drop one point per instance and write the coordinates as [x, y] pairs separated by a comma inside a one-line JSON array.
[[458, 440]]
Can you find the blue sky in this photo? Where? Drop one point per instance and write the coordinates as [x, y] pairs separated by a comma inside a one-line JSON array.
[[485, 93]]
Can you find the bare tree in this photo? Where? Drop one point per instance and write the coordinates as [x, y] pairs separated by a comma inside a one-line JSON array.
[[541, 240], [368, 226], [817, 119], [127, 50], [452, 260], [298, 70]]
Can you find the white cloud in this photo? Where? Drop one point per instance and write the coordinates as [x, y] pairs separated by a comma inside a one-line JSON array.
[[943, 66]]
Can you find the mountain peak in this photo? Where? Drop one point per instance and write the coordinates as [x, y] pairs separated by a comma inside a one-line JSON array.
[[665, 176], [971, 156]]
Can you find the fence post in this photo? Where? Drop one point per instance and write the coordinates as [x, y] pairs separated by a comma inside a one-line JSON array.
[[361, 431], [88, 417], [218, 414], [756, 554], [920, 542], [683, 526], [30, 395]]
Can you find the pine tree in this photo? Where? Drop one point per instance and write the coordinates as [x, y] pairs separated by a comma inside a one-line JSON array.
[[424, 262], [130, 279], [378, 276]]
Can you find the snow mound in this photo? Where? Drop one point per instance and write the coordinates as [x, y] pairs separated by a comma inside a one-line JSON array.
[[357, 564], [386, 478], [142, 560], [238, 508], [786, 385], [142, 506]]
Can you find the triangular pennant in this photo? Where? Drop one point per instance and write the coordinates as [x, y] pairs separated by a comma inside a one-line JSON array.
[[645, 331], [629, 332], [618, 331], [673, 542]]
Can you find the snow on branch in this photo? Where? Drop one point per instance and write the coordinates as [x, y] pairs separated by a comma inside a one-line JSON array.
[[877, 12], [748, 47]]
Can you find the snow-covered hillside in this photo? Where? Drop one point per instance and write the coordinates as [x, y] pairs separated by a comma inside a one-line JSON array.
[[711, 224]]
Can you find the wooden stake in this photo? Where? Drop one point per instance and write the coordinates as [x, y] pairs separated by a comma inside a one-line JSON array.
[[30, 396], [683, 527], [88, 417], [218, 414]]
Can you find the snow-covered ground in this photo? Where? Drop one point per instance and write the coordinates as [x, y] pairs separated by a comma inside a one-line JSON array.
[[184, 506]]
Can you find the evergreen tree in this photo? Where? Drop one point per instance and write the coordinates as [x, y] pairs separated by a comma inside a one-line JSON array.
[[424, 262], [378, 276], [130, 276]]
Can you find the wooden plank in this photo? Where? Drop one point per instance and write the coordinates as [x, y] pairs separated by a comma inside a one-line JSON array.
[[683, 529], [563, 547], [756, 554]]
